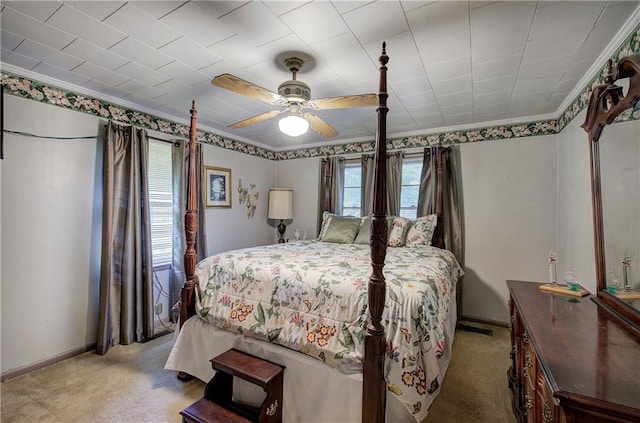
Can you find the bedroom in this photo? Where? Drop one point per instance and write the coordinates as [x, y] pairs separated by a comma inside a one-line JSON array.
[[520, 194]]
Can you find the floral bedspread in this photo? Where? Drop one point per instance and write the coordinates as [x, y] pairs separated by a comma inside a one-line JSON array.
[[312, 297]]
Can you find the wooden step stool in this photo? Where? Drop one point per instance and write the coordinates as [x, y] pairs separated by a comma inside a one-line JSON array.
[[218, 405]]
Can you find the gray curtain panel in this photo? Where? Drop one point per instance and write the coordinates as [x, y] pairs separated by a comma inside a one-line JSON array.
[[452, 212], [180, 162], [126, 284], [366, 197], [394, 182], [336, 186], [426, 195]]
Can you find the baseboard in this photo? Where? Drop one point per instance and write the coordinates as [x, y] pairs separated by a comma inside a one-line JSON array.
[[484, 321], [47, 362]]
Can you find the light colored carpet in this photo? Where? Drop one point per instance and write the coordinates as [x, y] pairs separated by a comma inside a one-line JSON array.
[[475, 388], [129, 384]]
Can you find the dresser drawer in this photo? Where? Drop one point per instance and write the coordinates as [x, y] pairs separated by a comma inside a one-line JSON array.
[[547, 407]]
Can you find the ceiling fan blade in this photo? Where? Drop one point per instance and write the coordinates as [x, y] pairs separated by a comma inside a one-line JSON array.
[[240, 86], [255, 119], [320, 126], [359, 100]]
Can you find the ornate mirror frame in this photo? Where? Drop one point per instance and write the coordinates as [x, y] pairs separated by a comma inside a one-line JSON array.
[[606, 103]]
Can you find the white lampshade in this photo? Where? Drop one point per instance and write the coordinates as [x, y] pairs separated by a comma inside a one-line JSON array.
[[280, 203], [293, 125]]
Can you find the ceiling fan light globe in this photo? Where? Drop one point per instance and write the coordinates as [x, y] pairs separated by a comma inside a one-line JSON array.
[[293, 125]]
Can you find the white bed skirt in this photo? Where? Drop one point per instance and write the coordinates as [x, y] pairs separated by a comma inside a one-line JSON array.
[[313, 391]]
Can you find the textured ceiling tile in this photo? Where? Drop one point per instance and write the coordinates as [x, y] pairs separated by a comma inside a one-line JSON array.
[[199, 24], [542, 48], [490, 108], [451, 69], [141, 26], [445, 48], [19, 60], [547, 67], [60, 74], [526, 86], [403, 50], [141, 53], [141, 73], [99, 9], [439, 19], [411, 86], [498, 46], [158, 9], [9, 40], [564, 17], [30, 28], [100, 74], [183, 73], [496, 68], [95, 54], [452, 100], [304, 22], [493, 98], [376, 21], [40, 10], [107, 89], [85, 27], [452, 86], [48, 55], [190, 53], [488, 86]]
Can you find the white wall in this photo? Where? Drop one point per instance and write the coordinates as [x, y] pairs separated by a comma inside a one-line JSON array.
[[229, 228], [303, 176], [509, 203], [51, 216]]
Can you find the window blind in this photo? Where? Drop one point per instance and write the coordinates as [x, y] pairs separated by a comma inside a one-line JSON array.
[[161, 202]]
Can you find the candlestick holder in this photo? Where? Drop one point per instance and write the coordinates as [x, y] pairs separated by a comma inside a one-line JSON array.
[[552, 267], [626, 265]]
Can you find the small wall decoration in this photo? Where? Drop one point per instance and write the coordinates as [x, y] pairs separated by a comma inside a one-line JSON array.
[[244, 197], [217, 184]]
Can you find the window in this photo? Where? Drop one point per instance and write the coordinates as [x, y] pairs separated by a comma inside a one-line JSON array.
[[161, 202], [411, 170], [352, 188]]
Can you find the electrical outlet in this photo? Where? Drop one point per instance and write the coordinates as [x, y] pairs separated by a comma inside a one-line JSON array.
[[159, 308]]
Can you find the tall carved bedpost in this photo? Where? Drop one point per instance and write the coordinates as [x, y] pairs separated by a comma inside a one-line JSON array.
[[374, 386], [187, 308]]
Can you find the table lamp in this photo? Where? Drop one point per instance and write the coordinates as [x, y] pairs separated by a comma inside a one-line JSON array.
[[280, 207]]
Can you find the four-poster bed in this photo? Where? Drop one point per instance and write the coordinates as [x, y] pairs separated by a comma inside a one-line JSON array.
[[354, 322]]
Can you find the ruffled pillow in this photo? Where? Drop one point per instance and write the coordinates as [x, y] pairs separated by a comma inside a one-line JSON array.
[[398, 233], [421, 230]]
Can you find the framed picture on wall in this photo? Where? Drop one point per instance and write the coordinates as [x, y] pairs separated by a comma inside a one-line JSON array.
[[217, 186]]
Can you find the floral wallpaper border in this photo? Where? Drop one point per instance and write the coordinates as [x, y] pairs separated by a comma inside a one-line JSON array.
[[33, 90]]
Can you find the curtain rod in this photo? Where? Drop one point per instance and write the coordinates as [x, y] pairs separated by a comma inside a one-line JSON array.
[[175, 143]]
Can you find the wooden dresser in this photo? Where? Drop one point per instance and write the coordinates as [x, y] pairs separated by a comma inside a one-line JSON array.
[[572, 361]]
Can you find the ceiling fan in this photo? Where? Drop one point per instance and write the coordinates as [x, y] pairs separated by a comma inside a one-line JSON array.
[[293, 97]]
